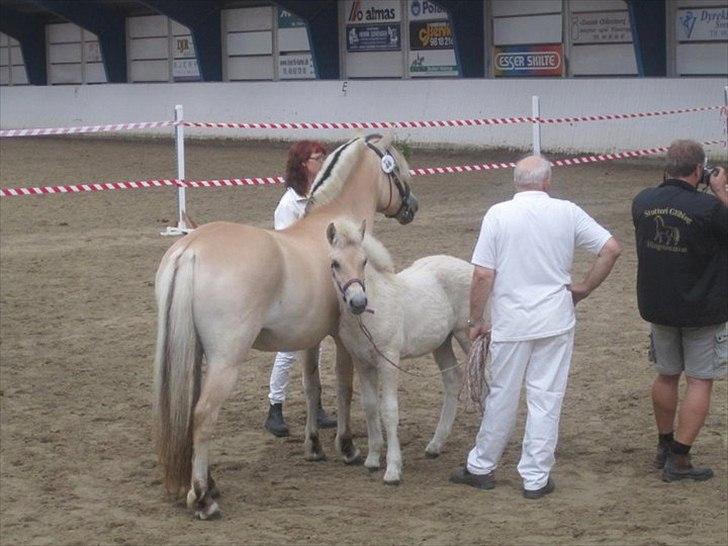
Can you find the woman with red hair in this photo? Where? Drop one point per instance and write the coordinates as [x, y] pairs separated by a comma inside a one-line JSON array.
[[305, 159]]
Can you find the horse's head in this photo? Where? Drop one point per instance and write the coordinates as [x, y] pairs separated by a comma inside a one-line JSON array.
[[395, 174], [350, 167], [351, 249]]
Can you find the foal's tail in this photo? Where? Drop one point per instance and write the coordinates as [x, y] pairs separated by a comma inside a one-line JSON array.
[[177, 368]]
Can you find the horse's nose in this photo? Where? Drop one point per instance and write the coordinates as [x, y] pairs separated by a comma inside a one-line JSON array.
[[358, 304], [408, 213]]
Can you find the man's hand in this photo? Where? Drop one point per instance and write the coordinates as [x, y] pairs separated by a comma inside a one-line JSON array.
[[579, 291], [717, 184], [478, 329]]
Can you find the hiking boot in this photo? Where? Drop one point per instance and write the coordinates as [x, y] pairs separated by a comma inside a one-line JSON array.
[[275, 423], [663, 448], [538, 493], [323, 420], [479, 481], [679, 467]]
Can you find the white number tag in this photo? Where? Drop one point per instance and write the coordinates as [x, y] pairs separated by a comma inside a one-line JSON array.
[[388, 163]]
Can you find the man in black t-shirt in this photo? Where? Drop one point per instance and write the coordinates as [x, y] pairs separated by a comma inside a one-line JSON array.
[[682, 290]]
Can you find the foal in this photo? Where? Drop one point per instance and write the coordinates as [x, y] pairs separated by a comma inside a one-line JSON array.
[[386, 316]]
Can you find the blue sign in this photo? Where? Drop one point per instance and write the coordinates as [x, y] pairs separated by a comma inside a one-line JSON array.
[[384, 37]]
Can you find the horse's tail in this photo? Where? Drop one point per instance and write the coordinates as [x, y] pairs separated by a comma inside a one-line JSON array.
[[177, 368]]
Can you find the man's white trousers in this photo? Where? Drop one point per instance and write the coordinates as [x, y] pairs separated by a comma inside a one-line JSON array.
[[545, 365]]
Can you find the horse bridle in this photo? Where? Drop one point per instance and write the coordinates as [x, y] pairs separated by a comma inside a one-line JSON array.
[[404, 212]]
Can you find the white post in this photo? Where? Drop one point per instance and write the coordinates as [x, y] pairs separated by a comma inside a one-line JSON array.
[[725, 115], [536, 129], [179, 139]]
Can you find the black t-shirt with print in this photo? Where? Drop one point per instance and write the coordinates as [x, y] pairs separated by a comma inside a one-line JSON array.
[[682, 255]]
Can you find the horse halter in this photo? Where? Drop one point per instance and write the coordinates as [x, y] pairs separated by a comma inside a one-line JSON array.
[[406, 211]]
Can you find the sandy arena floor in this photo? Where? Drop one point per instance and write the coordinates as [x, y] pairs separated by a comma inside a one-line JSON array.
[[76, 344]]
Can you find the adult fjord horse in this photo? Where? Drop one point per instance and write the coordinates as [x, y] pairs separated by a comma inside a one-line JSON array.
[[226, 287]]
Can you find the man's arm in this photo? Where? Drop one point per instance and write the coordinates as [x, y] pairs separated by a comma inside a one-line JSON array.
[[718, 185], [480, 289], [599, 271]]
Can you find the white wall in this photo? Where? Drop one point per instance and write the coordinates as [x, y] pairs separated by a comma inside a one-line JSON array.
[[360, 100], [12, 68], [74, 55]]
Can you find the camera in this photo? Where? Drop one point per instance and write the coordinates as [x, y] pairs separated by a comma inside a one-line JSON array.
[[708, 171]]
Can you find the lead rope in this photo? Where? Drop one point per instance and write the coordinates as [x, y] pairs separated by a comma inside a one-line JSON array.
[[477, 359]]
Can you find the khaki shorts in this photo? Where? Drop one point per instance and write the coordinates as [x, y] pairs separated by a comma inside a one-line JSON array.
[[700, 352]]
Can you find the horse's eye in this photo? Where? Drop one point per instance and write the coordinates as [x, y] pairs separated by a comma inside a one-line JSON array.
[[335, 264], [365, 263]]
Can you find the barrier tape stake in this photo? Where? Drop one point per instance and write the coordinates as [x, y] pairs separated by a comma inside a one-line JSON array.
[[179, 140], [536, 128]]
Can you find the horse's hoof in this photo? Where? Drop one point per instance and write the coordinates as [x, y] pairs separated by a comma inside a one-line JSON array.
[[392, 477], [432, 454], [312, 448], [372, 469], [372, 463], [211, 511], [315, 457], [354, 459]]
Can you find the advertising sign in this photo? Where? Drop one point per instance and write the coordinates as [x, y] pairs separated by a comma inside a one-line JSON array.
[[601, 28], [372, 11], [425, 10], [708, 24], [432, 63], [296, 66], [529, 60], [185, 70], [430, 35], [373, 38], [184, 47]]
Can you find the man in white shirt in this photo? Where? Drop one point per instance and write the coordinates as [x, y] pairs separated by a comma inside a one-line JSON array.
[[523, 261]]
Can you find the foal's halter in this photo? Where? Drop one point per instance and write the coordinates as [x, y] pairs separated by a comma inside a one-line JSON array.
[[394, 179]]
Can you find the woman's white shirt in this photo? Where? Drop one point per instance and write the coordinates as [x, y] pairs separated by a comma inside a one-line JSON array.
[[290, 209]]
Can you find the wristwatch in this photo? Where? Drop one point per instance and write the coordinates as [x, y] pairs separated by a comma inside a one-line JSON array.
[[472, 322]]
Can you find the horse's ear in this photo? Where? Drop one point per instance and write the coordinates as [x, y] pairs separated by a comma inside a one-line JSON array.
[[331, 233], [386, 140], [363, 228]]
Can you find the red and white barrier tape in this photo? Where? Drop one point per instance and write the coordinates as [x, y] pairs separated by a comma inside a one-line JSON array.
[[438, 122], [347, 124], [6, 133], [269, 180]]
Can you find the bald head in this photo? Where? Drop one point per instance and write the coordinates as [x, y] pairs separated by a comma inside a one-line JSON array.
[[532, 173]]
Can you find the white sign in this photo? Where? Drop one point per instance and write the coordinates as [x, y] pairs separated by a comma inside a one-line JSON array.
[[709, 24], [425, 10], [372, 11], [601, 27], [185, 70], [432, 63], [296, 66]]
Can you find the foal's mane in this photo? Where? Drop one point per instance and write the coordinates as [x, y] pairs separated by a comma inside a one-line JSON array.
[[334, 172], [349, 233]]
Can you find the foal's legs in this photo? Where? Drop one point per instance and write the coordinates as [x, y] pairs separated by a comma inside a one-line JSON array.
[[369, 379], [345, 388], [452, 379], [312, 386], [388, 379]]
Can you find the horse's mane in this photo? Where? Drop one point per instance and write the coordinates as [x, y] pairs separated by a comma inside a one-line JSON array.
[[334, 172], [349, 233]]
